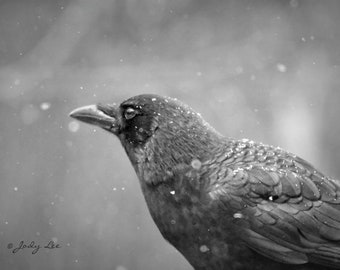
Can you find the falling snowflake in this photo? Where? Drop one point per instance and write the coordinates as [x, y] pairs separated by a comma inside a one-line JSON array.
[[73, 126], [281, 67], [45, 106]]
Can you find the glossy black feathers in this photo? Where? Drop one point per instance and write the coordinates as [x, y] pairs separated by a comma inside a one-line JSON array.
[[223, 203]]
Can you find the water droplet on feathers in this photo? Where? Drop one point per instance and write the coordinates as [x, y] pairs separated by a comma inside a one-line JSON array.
[[196, 164], [238, 215], [204, 248]]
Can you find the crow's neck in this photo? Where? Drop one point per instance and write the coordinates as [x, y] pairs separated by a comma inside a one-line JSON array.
[[165, 152]]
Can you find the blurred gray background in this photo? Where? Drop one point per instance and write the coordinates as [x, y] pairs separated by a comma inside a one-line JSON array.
[[266, 70]]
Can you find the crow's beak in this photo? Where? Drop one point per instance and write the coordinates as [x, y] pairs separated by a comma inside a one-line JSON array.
[[104, 116]]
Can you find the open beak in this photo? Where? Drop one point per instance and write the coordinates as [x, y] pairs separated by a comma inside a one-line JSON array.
[[104, 116]]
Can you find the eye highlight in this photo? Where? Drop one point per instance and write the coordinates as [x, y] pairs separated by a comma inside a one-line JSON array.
[[130, 113]]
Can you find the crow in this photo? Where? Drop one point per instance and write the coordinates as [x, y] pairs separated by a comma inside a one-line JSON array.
[[224, 203]]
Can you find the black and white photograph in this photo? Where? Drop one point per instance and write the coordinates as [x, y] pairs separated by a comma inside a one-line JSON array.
[[169, 134]]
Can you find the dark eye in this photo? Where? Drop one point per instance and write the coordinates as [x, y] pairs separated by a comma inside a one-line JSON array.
[[130, 113]]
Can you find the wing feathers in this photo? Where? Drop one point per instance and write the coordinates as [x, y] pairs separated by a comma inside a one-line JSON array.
[[309, 189], [295, 213], [272, 250]]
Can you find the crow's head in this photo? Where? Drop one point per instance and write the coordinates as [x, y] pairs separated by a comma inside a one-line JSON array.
[[159, 128], [139, 118]]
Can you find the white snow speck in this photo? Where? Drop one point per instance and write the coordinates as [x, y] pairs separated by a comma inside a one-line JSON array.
[[154, 99], [196, 164], [238, 215], [204, 248], [172, 192], [281, 67], [73, 126], [15, 188], [45, 106]]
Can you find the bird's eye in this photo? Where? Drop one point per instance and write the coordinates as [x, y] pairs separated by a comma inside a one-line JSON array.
[[130, 113]]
